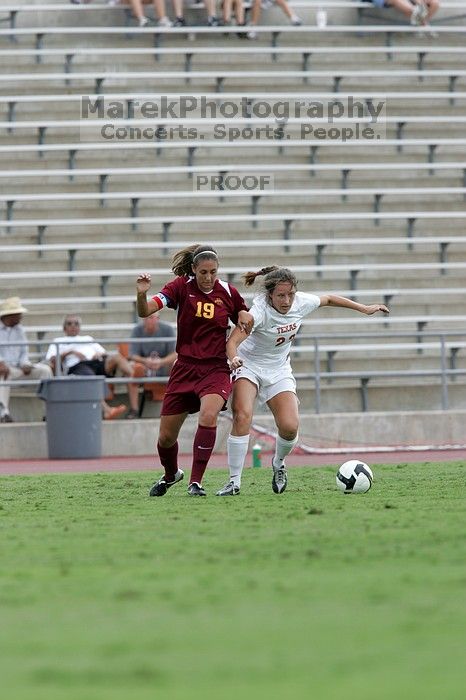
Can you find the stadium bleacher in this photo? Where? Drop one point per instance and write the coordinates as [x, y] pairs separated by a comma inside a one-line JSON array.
[[82, 216]]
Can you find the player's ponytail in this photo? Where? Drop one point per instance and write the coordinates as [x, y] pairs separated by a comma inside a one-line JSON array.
[[273, 275], [249, 277], [183, 260]]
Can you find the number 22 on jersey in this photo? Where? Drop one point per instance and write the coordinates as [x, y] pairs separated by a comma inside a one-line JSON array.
[[282, 339]]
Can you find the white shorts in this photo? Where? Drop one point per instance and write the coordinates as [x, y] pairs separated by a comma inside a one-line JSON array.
[[266, 389]]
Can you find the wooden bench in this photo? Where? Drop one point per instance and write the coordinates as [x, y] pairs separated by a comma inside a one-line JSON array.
[[98, 79], [192, 52], [357, 349], [103, 173], [318, 245], [353, 270], [377, 194], [432, 145], [286, 218], [109, 301], [249, 95], [275, 31], [206, 127]]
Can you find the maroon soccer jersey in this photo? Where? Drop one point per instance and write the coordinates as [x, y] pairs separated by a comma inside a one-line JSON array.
[[203, 318]]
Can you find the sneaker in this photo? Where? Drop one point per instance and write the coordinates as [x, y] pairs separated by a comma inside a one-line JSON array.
[[161, 487], [419, 14], [252, 34], [242, 34], [427, 33], [164, 22], [6, 418], [296, 21], [115, 412], [132, 414], [143, 22], [279, 480], [179, 22], [213, 21], [229, 490], [196, 489]]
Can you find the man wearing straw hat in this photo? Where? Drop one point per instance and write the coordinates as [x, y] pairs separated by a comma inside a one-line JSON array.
[[14, 359]]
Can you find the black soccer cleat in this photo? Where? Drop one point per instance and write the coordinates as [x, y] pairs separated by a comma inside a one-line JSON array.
[[161, 487], [279, 480], [229, 490], [196, 489]]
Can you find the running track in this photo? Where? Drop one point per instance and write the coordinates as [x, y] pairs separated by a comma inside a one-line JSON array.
[[150, 462]]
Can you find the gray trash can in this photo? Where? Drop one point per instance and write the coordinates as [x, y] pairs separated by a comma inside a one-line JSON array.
[[74, 416]]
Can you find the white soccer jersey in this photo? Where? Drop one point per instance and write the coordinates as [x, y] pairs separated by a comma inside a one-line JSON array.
[[266, 350]]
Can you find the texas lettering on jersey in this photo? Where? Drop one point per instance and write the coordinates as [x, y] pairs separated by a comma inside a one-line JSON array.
[[287, 329]]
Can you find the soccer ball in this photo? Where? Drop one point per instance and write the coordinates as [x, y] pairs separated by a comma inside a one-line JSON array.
[[354, 477]]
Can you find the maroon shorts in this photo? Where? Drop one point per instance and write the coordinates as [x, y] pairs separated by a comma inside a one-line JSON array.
[[188, 383]]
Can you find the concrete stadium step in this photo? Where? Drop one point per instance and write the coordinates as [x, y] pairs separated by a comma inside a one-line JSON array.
[[406, 396]]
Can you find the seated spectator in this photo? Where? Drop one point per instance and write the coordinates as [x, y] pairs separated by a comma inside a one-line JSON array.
[[259, 5], [159, 9], [212, 19], [83, 356], [418, 12], [14, 359], [156, 357], [238, 6]]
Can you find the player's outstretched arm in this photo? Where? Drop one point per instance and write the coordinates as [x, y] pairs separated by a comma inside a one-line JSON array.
[[144, 307], [343, 302]]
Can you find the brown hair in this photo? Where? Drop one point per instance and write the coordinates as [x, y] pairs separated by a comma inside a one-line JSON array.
[[273, 275], [183, 260]]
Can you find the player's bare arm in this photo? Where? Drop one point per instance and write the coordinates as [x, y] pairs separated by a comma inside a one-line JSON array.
[[145, 307], [235, 339], [245, 321], [343, 302]]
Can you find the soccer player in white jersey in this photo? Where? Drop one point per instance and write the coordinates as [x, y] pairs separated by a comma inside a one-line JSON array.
[[260, 362]]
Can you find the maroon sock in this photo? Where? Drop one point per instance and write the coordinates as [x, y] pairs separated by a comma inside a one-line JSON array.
[[169, 460], [204, 442]]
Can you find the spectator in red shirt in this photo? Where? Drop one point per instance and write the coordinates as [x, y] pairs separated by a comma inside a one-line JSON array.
[[200, 378]]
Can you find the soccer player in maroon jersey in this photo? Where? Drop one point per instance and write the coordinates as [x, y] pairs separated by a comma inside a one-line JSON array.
[[200, 377]]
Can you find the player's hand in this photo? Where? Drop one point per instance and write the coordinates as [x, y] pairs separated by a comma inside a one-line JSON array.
[[143, 283], [4, 370], [235, 363], [373, 308]]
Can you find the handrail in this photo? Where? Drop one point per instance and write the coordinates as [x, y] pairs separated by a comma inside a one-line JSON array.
[[447, 369]]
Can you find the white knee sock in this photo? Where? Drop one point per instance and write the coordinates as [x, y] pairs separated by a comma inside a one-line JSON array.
[[282, 448], [237, 448]]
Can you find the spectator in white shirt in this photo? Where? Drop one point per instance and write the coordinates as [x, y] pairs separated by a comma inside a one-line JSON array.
[[14, 358], [81, 355]]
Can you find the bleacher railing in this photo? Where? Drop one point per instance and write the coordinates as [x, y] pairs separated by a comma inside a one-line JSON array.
[[314, 347]]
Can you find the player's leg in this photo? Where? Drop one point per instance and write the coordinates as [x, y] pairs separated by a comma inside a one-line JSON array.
[[244, 396], [284, 407], [167, 448], [204, 440]]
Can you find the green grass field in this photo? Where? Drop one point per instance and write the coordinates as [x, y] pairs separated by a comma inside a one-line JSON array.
[[107, 594]]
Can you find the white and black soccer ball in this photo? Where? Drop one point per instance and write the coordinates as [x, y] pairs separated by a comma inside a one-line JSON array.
[[354, 476]]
